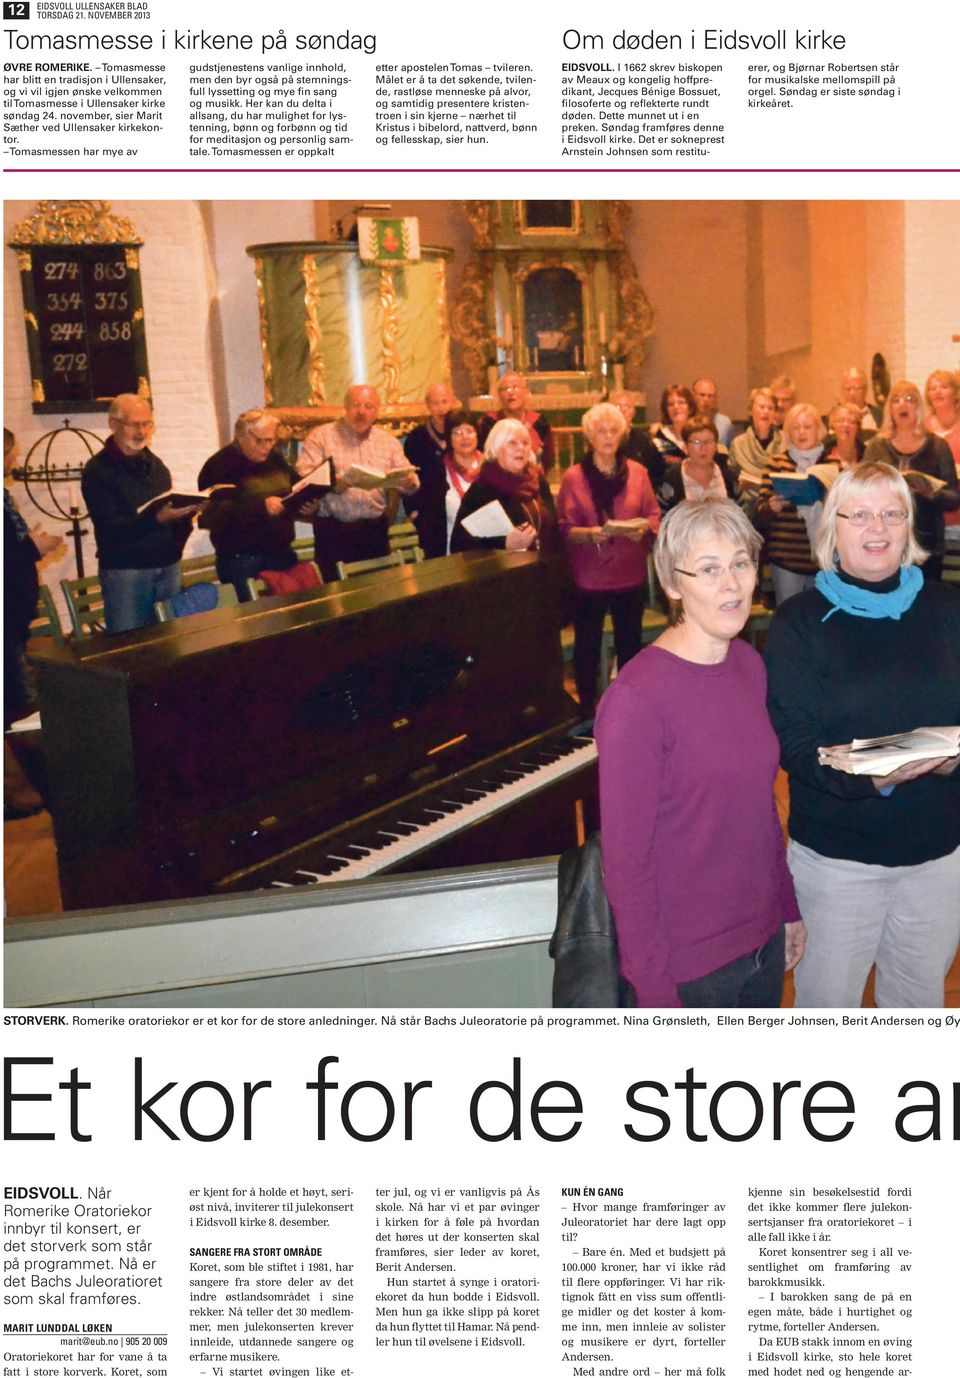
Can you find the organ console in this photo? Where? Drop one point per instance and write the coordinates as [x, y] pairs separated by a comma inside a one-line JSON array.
[[407, 720]]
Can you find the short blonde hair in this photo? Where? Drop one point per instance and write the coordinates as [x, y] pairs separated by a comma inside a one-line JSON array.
[[851, 487], [793, 416], [687, 524], [500, 434], [898, 389], [950, 380], [603, 411]]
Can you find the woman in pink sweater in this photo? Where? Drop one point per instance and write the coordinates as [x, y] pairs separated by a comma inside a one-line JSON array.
[[608, 517], [694, 860]]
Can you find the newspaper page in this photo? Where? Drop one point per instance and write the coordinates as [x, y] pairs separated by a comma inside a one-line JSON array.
[[343, 1133]]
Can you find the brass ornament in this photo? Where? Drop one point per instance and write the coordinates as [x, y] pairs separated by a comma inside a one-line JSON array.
[[479, 213], [25, 261], [441, 274], [636, 322], [390, 335], [316, 368], [468, 322], [74, 222], [264, 340]]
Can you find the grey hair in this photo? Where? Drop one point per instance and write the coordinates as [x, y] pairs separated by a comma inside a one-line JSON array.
[[122, 401], [686, 525], [851, 486], [500, 434], [854, 372], [250, 418], [603, 411]]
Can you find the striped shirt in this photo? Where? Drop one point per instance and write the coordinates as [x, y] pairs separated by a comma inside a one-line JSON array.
[[787, 542]]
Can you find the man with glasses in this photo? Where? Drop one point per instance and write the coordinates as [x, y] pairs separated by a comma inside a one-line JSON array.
[[853, 391], [514, 395], [251, 529], [138, 552]]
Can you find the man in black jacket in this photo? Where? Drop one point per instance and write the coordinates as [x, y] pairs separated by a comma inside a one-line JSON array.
[[250, 528], [139, 553]]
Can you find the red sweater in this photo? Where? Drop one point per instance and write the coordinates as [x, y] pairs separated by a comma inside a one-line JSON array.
[[621, 563]]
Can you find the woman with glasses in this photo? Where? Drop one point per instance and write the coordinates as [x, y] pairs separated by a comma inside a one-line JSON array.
[[694, 861], [905, 442], [702, 473], [872, 650], [608, 517], [512, 477], [443, 482], [844, 445]]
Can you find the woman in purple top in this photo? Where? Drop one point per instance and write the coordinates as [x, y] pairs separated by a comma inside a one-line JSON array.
[[609, 564], [694, 858]]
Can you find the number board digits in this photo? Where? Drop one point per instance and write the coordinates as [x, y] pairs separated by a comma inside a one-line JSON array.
[[88, 343]]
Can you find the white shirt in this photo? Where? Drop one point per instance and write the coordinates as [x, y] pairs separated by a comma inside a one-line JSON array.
[[378, 449]]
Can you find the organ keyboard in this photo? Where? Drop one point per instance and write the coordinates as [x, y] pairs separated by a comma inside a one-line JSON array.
[[412, 829]]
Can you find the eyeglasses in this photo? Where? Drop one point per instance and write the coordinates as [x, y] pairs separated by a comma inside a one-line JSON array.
[[464, 430], [136, 425], [712, 574], [893, 516], [702, 444], [906, 397]]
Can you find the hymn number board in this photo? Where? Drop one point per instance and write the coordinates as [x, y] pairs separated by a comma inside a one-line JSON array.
[[85, 332]]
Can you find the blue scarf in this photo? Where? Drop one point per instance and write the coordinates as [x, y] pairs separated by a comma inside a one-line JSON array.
[[860, 602]]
